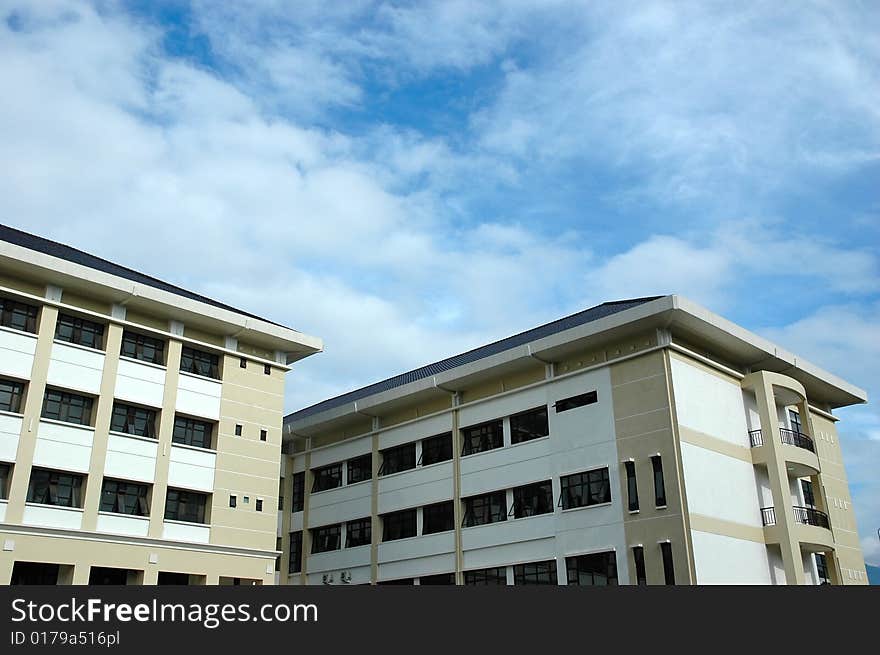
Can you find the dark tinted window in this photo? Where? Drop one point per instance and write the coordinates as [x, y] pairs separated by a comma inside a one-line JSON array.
[[595, 569], [535, 573], [529, 425], [668, 567], [5, 472], [294, 564], [185, 506], [133, 420], [486, 508], [124, 498], [439, 579], [438, 517], [358, 533], [10, 396], [576, 401], [80, 331], [327, 477], [327, 538], [399, 458], [436, 449], [67, 407], [200, 362], [588, 488], [142, 347], [55, 488], [639, 561], [297, 498], [399, 525], [533, 499], [632, 489], [360, 468], [483, 437], [494, 576], [18, 316], [192, 432], [659, 483]]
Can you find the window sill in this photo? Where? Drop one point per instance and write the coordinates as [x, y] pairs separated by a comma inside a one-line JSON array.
[[76, 426], [483, 452], [530, 516], [62, 507], [127, 516], [633, 511], [354, 484], [527, 441], [3, 412], [661, 507], [79, 346], [190, 523], [323, 491], [198, 449], [152, 440], [391, 475], [484, 525], [578, 509], [134, 360], [32, 335], [205, 378]]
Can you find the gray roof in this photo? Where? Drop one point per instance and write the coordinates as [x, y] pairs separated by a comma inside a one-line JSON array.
[[559, 325], [55, 249]]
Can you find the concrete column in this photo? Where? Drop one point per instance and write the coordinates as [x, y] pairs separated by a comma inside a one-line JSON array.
[[81, 571], [375, 523], [306, 535], [456, 489], [166, 427]]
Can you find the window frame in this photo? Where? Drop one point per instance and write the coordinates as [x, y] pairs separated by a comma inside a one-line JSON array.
[[355, 464], [639, 564], [62, 479], [13, 311], [329, 472], [199, 362], [399, 519], [660, 499], [438, 446], [574, 402], [632, 486], [120, 495], [496, 512], [666, 556], [184, 497], [586, 484], [64, 400], [298, 492], [15, 393], [531, 573], [77, 327], [388, 455], [520, 495], [478, 438], [362, 527], [295, 553], [522, 435], [187, 424], [326, 538], [140, 343], [575, 575], [5, 479], [131, 418], [485, 577], [447, 522]]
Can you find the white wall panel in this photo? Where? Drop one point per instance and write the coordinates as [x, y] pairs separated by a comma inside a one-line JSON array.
[[191, 469], [130, 458], [341, 504], [65, 447], [3, 505], [341, 452], [17, 353], [508, 467], [419, 486], [135, 526], [76, 368], [198, 396], [721, 559], [426, 427], [10, 430], [140, 383], [186, 532], [719, 486], [53, 517], [415, 547], [509, 531], [511, 553], [337, 560]]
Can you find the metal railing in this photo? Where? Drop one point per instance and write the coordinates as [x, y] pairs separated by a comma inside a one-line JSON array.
[[811, 516], [768, 515], [799, 439], [756, 438]]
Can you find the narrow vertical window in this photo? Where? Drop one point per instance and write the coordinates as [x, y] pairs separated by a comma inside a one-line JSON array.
[[233, 501], [809, 498], [242, 362], [668, 570], [294, 562], [237, 430], [259, 507], [632, 488], [267, 370], [659, 484], [639, 560], [298, 494], [263, 435]]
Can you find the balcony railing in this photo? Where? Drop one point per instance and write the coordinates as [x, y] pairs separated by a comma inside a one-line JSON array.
[[810, 516], [799, 439], [790, 437], [756, 438], [805, 515]]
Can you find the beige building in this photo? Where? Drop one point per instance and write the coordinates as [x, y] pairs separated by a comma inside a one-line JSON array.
[[140, 425], [645, 441]]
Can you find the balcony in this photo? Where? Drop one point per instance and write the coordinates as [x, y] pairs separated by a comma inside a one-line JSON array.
[[794, 438], [803, 515], [756, 438]]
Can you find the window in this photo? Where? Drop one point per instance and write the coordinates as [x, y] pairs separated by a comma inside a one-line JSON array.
[[55, 488], [192, 432], [267, 370], [67, 407], [5, 475], [142, 347], [535, 573], [298, 495], [668, 570], [639, 561], [585, 489], [659, 484], [488, 577], [242, 362], [233, 501], [80, 331], [809, 498], [438, 517], [18, 316], [199, 362], [576, 401], [263, 435], [133, 420], [327, 477], [399, 525], [360, 468], [488, 508], [822, 568], [238, 430], [632, 489], [593, 570], [281, 494], [438, 579], [124, 498], [278, 559], [294, 563], [401, 581], [529, 425], [185, 506], [479, 438], [795, 419], [533, 499], [358, 533], [436, 449], [399, 458], [10, 396], [327, 538]]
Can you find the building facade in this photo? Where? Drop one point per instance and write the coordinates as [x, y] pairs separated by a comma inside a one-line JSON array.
[[646, 441], [140, 425]]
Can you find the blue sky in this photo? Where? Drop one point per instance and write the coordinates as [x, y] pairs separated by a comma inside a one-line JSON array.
[[408, 181]]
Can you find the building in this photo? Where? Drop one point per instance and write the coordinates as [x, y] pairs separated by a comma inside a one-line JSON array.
[[645, 441], [140, 425]]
